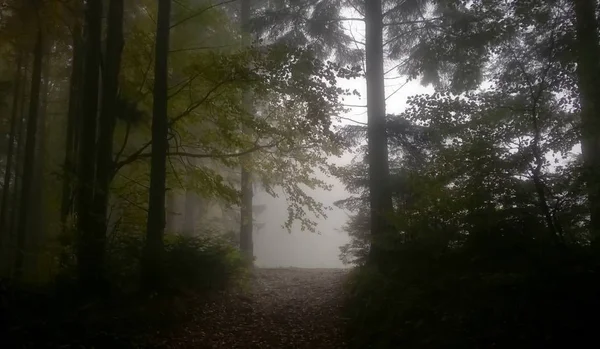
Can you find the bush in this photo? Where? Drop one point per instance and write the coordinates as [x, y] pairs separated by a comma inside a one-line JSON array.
[[501, 297], [202, 263], [196, 263], [56, 315]]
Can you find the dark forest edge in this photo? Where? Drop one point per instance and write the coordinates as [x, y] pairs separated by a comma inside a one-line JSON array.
[[58, 313]]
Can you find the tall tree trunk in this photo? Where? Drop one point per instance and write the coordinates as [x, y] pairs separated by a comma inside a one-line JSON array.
[[246, 214], [11, 149], [20, 155], [588, 71], [90, 245], [110, 88], [380, 197], [73, 116], [152, 273], [30, 146], [36, 205]]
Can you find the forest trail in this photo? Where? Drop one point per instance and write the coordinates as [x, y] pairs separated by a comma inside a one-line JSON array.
[[286, 308]]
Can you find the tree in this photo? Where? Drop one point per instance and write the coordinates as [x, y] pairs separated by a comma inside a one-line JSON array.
[[154, 248], [30, 150], [73, 126], [109, 110], [246, 214], [11, 146], [588, 73], [380, 199], [473, 34], [91, 241]]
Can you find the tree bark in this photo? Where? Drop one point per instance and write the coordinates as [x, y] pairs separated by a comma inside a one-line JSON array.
[[90, 249], [29, 160], [20, 155], [380, 197], [36, 205], [11, 149], [246, 214], [73, 128], [588, 71], [110, 88], [152, 273]]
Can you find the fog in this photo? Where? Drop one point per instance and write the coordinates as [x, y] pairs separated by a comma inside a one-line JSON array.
[[273, 246]]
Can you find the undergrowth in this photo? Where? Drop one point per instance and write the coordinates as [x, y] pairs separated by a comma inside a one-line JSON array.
[[54, 314], [502, 295]]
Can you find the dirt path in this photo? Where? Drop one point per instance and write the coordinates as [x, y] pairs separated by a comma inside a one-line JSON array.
[[286, 308]]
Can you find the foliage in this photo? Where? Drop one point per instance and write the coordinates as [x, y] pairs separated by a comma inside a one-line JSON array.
[[490, 209], [203, 263], [510, 294]]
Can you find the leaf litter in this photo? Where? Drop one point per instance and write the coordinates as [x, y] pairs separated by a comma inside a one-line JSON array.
[[283, 308]]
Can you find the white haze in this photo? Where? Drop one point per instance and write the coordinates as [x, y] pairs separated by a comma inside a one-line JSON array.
[[273, 245]]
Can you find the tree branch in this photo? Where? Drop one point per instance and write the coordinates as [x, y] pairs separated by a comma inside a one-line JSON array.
[[194, 15], [416, 21]]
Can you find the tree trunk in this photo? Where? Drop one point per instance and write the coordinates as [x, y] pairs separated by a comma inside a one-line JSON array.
[[90, 247], [246, 214], [380, 197], [20, 155], [152, 273], [36, 205], [73, 117], [189, 221], [588, 71], [11, 149], [29, 160], [172, 216], [110, 88]]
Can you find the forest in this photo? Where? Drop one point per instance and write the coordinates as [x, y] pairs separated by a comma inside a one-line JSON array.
[[135, 135]]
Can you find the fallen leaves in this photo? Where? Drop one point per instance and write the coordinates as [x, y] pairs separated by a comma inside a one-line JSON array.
[[285, 308]]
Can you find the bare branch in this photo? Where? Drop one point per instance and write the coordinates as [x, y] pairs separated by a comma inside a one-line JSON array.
[[125, 141], [416, 21], [198, 48], [199, 13], [358, 122]]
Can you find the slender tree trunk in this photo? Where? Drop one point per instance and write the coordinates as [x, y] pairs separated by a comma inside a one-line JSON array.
[[73, 116], [246, 214], [36, 205], [380, 197], [588, 70], [152, 273], [20, 155], [30, 146], [110, 87], [171, 216], [90, 245], [189, 221], [11, 149]]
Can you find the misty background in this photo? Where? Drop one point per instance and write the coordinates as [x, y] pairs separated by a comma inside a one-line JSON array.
[[273, 245]]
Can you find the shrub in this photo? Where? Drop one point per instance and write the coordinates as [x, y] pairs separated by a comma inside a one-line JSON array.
[[501, 297], [202, 263], [197, 263]]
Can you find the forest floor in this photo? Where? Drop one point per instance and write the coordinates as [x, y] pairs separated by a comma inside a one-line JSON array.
[[284, 308]]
